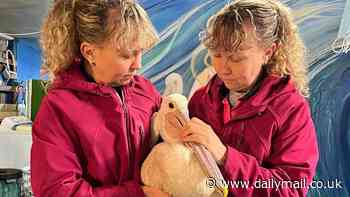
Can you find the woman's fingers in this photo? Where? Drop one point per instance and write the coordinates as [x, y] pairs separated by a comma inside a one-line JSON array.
[[196, 138], [154, 192], [197, 121], [191, 129], [197, 131]]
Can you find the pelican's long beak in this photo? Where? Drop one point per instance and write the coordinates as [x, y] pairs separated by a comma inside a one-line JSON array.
[[177, 119]]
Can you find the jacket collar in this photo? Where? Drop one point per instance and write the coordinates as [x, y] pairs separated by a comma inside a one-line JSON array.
[[256, 100], [224, 92], [76, 78]]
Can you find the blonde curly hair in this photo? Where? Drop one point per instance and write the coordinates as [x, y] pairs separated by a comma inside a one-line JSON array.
[[273, 23], [71, 22]]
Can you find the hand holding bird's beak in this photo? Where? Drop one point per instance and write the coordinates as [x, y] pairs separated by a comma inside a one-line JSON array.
[[199, 132]]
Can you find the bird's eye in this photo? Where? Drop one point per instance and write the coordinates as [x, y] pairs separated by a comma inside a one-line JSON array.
[[171, 105]]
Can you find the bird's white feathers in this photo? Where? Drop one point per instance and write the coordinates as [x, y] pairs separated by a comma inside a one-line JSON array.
[[171, 166]]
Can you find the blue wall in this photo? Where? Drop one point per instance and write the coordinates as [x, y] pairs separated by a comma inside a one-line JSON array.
[[28, 55]]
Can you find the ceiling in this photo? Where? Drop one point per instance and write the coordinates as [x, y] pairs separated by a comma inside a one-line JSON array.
[[22, 16]]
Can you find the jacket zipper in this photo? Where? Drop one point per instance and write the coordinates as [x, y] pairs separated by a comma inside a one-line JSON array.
[[141, 140], [125, 109]]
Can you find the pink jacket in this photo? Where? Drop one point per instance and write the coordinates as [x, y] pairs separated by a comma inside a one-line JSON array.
[[87, 142], [270, 137]]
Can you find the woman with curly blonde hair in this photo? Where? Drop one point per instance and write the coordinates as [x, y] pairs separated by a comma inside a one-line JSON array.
[[92, 131], [253, 115]]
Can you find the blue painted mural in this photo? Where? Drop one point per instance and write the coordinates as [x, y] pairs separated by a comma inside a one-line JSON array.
[[325, 28]]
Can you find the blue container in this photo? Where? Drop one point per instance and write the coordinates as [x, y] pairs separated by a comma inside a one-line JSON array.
[[11, 183]]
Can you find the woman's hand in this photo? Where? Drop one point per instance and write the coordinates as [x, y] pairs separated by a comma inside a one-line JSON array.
[[199, 132], [153, 192]]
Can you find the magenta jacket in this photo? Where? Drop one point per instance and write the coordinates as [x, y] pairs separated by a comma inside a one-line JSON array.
[[87, 142], [270, 137]]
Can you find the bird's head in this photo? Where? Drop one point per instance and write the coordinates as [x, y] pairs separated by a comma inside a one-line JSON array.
[[174, 117]]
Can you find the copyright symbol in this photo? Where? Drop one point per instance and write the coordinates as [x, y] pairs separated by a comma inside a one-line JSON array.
[[211, 182]]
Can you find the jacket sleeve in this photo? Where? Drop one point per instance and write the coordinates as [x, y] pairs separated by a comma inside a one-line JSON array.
[[194, 104], [158, 100], [56, 168], [293, 158]]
